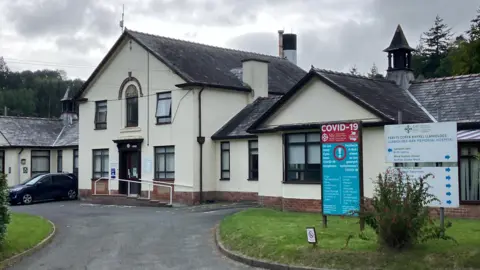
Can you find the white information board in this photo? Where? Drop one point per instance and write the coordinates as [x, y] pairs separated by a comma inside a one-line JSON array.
[[443, 183], [311, 236], [426, 142]]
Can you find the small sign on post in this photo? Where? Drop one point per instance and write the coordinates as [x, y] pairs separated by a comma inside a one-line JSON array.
[[311, 236]]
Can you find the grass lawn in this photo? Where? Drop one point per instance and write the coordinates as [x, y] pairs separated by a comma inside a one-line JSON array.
[[280, 236], [24, 232]]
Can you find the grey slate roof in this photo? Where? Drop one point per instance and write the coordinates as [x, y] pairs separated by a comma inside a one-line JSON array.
[[458, 97], [37, 132], [380, 95], [204, 64], [238, 125]]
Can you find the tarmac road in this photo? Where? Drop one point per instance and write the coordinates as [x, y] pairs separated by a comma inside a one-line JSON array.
[[100, 237]]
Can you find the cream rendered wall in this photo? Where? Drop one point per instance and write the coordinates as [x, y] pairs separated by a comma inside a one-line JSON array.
[[317, 102], [13, 170], [238, 168], [154, 77], [218, 107]]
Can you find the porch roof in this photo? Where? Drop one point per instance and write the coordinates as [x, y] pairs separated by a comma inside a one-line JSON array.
[[470, 135]]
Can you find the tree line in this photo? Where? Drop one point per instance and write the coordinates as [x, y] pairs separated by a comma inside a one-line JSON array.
[[440, 53], [33, 93]]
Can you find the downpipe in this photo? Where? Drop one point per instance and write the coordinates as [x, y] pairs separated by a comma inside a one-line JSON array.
[[200, 141]]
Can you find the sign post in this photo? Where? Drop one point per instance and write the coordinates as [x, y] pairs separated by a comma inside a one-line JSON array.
[[433, 144], [342, 183]]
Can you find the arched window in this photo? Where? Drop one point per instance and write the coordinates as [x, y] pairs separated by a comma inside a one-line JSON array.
[[131, 96]]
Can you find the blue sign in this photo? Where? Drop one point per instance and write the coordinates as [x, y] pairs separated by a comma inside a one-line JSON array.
[[112, 173], [341, 178]]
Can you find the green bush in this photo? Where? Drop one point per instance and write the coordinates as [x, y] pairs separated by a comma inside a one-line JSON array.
[[4, 211], [399, 213]]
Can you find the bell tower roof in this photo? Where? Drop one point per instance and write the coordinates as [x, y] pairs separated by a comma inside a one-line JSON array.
[[399, 42]]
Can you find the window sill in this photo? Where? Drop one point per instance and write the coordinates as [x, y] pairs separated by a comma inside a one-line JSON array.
[[224, 179], [252, 179], [302, 182], [164, 179], [469, 202], [95, 179], [130, 129], [161, 124], [100, 129]]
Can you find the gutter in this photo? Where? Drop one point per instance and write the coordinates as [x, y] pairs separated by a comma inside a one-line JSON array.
[[200, 141]]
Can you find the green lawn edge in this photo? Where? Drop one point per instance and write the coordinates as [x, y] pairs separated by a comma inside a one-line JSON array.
[[25, 231], [277, 236]]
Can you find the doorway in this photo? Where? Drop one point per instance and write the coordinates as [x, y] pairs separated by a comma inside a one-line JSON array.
[[129, 168]]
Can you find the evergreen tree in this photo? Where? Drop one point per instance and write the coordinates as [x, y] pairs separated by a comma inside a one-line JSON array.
[[474, 31], [354, 70], [437, 38], [373, 74]]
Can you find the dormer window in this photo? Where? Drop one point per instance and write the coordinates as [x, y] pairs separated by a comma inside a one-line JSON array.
[[131, 96]]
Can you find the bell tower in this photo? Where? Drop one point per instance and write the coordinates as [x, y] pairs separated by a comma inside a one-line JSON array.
[[400, 60], [68, 108]]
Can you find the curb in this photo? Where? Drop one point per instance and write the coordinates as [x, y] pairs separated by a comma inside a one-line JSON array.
[[252, 261], [18, 257]]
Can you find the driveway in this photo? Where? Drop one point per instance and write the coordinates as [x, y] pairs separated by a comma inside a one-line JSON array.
[[100, 237]]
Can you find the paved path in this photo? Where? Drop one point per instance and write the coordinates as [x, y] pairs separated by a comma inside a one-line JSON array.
[[99, 237]]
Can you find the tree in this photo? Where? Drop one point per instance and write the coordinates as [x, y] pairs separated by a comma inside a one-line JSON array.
[[3, 65], [474, 31], [373, 74], [353, 70], [434, 46], [437, 39]]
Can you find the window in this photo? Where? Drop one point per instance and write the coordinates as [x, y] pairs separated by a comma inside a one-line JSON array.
[[131, 95], [75, 162], [101, 114], [40, 161], [164, 108], [100, 163], [59, 161], [303, 157], [469, 174], [252, 160], [2, 161], [165, 162], [225, 161]]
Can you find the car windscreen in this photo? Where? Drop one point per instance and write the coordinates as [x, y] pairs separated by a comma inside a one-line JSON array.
[[33, 180]]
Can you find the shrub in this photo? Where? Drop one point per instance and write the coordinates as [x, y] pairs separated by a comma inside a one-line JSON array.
[[399, 213], [4, 211]]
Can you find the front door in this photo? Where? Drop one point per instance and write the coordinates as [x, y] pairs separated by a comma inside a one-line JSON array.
[[133, 171]]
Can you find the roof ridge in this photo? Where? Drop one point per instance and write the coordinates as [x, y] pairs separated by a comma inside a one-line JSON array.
[[328, 71], [208, 45], [30, 117], [439, 79]]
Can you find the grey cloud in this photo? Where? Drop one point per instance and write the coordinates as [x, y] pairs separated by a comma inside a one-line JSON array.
[[359, 40], [39, 18], [78, 44]]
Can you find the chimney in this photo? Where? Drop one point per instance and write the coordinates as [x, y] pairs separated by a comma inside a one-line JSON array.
[[287, 46], [280, 43], [255, 75]]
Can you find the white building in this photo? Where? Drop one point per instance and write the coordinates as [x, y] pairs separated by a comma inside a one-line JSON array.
[[31, 145], [219, 124]]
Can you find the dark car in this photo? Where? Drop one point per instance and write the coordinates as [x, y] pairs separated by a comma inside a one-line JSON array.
[[44, 187]]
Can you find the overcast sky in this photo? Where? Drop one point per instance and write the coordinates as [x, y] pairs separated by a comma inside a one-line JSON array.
[[74, 35]]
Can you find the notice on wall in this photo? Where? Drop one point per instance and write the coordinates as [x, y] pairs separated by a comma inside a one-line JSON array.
[[341, 168], [442, 182], [427, 142], [147, 166]]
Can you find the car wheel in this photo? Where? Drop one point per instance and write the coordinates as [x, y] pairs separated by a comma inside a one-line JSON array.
[[27, 199], [72, 194]]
